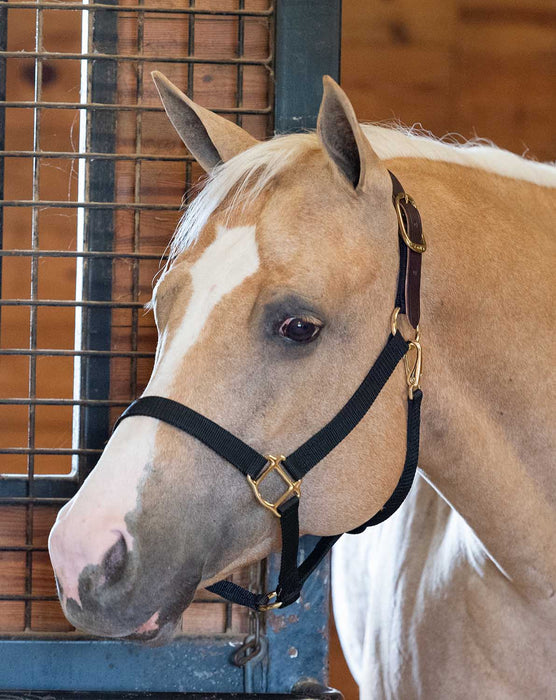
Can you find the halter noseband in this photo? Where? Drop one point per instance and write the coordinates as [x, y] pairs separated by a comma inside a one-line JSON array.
[[293, 468]]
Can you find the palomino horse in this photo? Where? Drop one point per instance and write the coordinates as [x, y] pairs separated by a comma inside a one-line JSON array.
[[276, 300]]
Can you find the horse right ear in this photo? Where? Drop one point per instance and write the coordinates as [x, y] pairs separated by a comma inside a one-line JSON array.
[[343, 139], [210, 138]]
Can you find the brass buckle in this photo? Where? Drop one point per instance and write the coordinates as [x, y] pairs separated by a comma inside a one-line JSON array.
[[275, 464], [269, 605], [417, 247]]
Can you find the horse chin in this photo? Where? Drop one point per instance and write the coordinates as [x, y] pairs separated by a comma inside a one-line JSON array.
[[156, 637]]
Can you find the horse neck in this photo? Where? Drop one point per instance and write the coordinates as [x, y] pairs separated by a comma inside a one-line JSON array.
[[486, 413]]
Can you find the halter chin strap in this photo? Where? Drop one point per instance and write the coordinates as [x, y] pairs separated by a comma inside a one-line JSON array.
[[293, 468]]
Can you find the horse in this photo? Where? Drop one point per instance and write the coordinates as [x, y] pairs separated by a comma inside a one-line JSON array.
[[276, 297]]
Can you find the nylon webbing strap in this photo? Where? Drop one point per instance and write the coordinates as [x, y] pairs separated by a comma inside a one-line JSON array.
[[323, 442], [292, 577], [248, 460], [228, 446], [410, 465]]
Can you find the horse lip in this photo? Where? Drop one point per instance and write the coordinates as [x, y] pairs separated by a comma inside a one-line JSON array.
[[156, 637]]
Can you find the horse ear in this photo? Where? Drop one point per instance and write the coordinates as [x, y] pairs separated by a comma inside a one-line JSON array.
[[210, 138], [342, 136]]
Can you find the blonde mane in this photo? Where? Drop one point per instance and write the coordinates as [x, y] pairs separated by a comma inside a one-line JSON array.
[[250, 172]]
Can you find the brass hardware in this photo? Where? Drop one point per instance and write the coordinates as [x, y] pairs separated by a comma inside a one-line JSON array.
[[275, 464], [414, 370], [269, 605], [394, 320], [417, 247], [394, 325]]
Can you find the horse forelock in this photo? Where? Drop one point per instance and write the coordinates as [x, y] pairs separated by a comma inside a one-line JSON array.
[[241, 179]]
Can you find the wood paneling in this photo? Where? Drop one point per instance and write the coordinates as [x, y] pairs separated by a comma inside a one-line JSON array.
[[475, 67]]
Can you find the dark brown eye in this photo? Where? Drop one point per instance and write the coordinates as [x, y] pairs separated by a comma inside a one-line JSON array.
[[300, 330]]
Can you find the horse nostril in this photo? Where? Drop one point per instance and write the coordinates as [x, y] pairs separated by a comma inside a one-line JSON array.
[[114, 561]]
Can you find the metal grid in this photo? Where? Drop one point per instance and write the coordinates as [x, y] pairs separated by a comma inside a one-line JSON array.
[[103, 254]]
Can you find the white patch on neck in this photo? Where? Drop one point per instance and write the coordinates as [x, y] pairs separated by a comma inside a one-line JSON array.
[[227, 262]]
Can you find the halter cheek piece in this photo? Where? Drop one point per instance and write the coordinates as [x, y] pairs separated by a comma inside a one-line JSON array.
[[293, 468]]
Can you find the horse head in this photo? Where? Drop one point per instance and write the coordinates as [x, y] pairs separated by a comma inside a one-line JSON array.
[[274, 303]]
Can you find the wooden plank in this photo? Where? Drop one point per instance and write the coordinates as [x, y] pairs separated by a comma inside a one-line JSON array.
[[409, 84], [391, 24]]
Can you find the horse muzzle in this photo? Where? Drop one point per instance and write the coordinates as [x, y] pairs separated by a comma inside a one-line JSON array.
[[104, 590]]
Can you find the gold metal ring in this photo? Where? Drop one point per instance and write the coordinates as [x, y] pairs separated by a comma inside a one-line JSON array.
[[394, 325]]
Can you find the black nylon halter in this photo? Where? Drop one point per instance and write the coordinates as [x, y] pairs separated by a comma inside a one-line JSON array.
[[293, 468]]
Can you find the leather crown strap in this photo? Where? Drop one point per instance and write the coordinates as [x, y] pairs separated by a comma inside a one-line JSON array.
[[293, 468]]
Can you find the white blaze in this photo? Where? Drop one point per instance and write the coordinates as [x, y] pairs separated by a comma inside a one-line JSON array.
[[227, 262]]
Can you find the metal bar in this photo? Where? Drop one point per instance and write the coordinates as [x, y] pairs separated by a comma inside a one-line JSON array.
[[13, 489], [195, 664], [48, 451], [318, 693], [61, 402], [3, 46], [190, 80], [63, 56], [136, 198], [122, 9], [31, 420], [45, 203], [308, 35], [93, 156], [240, 52], [22, 252], [24, 500], [124, 108], [98, 235], [71, 303], [27, 597], [51, 352]]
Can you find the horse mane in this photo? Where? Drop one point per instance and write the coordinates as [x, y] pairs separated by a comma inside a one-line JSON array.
[[245, 176]]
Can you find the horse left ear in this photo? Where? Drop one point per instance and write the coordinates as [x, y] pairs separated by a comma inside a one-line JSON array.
[[342, 136], [210, 138]]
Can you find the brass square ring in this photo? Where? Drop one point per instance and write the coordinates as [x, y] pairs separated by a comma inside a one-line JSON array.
[[275, 464]]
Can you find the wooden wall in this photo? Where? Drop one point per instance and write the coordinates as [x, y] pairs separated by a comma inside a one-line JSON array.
[[475, 67]]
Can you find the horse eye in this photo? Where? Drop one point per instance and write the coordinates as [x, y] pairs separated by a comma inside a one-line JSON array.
[[300, 330]]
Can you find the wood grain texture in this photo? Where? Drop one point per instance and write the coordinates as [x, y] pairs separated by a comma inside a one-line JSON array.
[[475, 67]]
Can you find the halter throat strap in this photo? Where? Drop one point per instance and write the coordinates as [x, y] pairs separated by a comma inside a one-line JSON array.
[[256, 467]]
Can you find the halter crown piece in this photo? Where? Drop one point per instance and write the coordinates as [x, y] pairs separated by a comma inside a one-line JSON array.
[[294, 467]]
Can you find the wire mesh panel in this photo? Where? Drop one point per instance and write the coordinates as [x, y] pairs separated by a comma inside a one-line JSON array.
[[92, 177]]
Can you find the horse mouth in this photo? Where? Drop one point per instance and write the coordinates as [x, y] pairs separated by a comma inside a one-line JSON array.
[[155, 637]]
